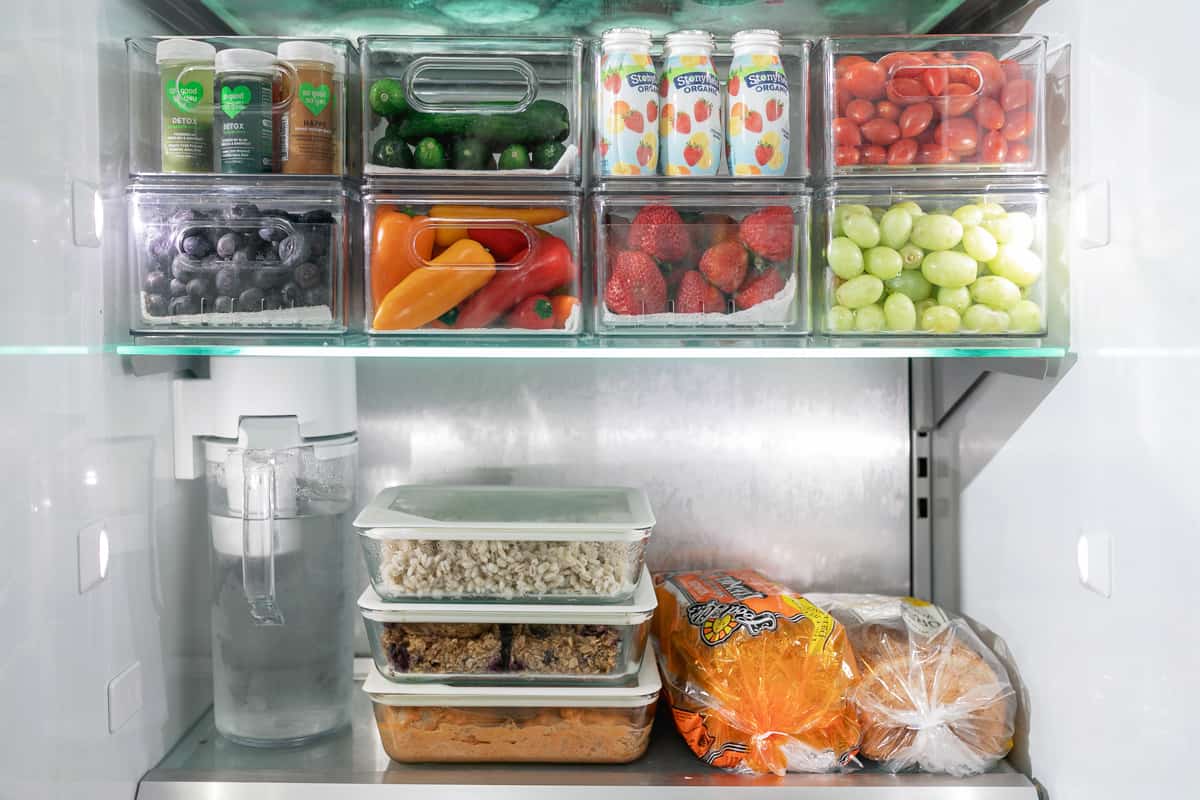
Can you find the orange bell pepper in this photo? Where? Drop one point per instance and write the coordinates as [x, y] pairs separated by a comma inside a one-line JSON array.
[[450, 234], [563, 305], [401, 248], [433, 290]]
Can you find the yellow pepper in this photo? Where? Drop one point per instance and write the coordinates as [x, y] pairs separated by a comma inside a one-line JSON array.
[[448, 235], [431, 291], [402, 246]]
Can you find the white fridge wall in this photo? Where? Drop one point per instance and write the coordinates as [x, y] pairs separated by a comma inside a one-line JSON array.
[[83, 443], [1111, 450]]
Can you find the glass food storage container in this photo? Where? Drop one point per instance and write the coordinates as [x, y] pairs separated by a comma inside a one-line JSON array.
[[540, 724], [473, 265], [509, 643], [701, 264], [952, 258], [177, 103], [474, 108], [511, 543], [223, 255], [931, 104]]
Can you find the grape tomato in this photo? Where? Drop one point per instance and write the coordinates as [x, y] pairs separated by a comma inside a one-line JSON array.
[[1012, 70], [845, 132], [874, 154], [903, 151], [1019, 125], [958, 99], [888, 110], [860, 111], [845, 156], [880, 131], [904, 91], [845, 63], [915, 119], [1016, 94], [960, 134], [994, 148], [935, 79], [892, 62], [989, 114], [1018, 153], [865, 80]]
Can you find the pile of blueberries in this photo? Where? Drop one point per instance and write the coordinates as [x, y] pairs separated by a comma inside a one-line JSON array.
[[240, 259]]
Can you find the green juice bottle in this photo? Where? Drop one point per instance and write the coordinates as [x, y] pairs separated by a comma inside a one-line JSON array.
[[244, 117], [185, 68]]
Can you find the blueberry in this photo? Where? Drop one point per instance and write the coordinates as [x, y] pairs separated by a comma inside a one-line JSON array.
[[198, 287], [316, 297], [320, 216], [269, 277], [227, 281], [271, 233], [273, 301], [244, 211], [294, 250], [156, 305], [184, 268], [243, 258], [196, 245], [292, 295], [307, 275], [178, 288], [227, 245], [156, 282], [250, 300], [223, 304], [183, 305], [157, 244]]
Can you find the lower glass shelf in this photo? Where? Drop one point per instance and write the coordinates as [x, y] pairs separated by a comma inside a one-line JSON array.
[[352, 765]]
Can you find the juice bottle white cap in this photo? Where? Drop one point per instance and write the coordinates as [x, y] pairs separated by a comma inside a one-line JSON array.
[[309, 51], [699, 39], [240, 59], [627, 37], [760, 37], [184, 50]]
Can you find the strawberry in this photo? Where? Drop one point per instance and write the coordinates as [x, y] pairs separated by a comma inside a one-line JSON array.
[[651, 111], [533, 313], [636, 286], [763, 286], [643, 154], [763, 153], [769, 232], [754, 122], [702, 110], [683, 123], [692, 154], [659, 231], [774, 109], [612, 82], [735, 84], [696, 295], [725, 265], [634, 121], [711, 228]]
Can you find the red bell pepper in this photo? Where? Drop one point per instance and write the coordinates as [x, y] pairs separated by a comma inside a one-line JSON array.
[[536, 313], [502, 243], [547, 267]]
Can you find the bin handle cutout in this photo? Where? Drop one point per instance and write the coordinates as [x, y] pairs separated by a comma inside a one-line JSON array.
[[515, 66], [457, 227]]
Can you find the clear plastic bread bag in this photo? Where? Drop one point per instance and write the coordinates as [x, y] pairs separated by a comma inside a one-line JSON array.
[[931, 695]]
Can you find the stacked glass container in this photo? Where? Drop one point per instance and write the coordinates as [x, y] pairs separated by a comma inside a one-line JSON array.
[[507, 622]]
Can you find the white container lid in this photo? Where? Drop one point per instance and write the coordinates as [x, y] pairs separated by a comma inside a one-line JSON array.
[[689, 39], [761, 37], [508, 513], [241, 59], [309, 51], [387, 693], [626, 37], [184, 50], [638, 610]]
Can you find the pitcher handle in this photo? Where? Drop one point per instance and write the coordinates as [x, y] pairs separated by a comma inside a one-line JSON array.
[[259, 511]]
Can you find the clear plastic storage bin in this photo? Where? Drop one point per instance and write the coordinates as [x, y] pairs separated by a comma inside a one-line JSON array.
[[952, 258], [180, 103], [931, 104], [476, 108], [482, 265], [702, 264], [488, 543], [508, 642], [224, 256], [540, 724], [764, 119]]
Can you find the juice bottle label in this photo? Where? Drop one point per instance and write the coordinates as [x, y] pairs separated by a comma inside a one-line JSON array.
[[628, 138], [306, 127], [187, 116], [690, 129], [758, 115], [245, 133]]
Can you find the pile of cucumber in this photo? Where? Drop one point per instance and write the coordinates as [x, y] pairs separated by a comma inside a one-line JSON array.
[[531, 138]]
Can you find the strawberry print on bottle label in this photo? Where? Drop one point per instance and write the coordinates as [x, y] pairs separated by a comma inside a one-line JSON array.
[[758, 103], [690, 93], [627, 138]]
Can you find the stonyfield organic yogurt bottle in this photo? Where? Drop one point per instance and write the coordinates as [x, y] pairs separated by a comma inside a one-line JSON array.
[[758, 106], [628, 95], [690, 96]]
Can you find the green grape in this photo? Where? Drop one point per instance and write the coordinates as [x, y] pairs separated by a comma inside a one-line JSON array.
[[984, 269], [984, 320], [884, 262], [869, 319], [839, 318], [912, 208], [912, 255], [894, 227], [899, 312], [958, 298], [940, 319], [979, 244], [1021, 266], [991, 210], [912, 283], [969, 215], [845, 259], [846, 210], [862, 229], [877, 212], [995, 292], [921, 305], [858, 292], [950, 269], [936, 232], [1001, 228], [1025, 317], [1021, 230]]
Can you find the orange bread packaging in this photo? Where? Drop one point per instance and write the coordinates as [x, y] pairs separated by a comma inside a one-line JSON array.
[[758, 677]]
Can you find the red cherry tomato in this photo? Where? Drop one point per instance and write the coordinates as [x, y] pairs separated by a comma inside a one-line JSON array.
[[866, 80], [888, 110], [958, 100], [990, 69], [915, 119], [892, 62], [960, 134], [994, 148], [1012, 70], [859, 111], [935, 80], [1016, 94], [881, 131], [873, 154], [845, 132], [844, 63], [1018, 125], [968, 74], [989, 114], [846, 156], [934, 153], [946, 56], [905, 90], [926, 135], [903, 151], [842, 96], [1018, 153]]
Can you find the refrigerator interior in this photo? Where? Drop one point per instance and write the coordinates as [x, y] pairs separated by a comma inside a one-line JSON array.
[[104, 676]]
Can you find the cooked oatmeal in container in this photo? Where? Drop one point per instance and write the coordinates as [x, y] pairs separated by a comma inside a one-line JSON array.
[[512, 543], [563, 724], [509, 643]]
